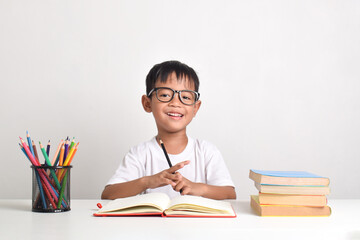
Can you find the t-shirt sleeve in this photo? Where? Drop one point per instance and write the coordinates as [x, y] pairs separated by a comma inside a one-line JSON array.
[[129, 169], [216, 171]]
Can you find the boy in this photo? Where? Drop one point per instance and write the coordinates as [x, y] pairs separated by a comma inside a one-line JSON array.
[[173, 99]]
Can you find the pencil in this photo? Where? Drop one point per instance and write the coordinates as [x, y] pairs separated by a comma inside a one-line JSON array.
[[35, 151], [166, 155], [61, 158], [57, 152], [38, 181], [43, 175], [72, 156], [28, 153], [68, 162], [66, 148], [68, 157], [29, 142], [61, 195], [72, 144], [49, 164], [48, 149]]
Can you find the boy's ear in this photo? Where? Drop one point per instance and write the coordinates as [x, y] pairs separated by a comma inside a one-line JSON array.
[[146, 102], [196, 107]]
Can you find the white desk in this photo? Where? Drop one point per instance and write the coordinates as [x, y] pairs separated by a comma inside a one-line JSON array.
[[17, 221]]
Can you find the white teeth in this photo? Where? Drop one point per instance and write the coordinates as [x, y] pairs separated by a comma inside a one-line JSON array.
[[175, 114]]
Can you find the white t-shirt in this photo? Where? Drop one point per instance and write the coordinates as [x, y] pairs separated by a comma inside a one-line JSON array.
[[206, 165]]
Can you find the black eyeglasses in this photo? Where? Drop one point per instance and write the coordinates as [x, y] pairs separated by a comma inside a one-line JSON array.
[[164, 94]]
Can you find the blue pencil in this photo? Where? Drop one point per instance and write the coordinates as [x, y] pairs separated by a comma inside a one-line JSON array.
[[30, 145], [66, 148], [48, 149], [38, 180]]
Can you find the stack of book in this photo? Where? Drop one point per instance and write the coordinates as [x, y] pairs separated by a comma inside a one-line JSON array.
[[290, 193]]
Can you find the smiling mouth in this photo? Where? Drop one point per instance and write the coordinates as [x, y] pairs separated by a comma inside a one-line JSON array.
[[175, 114]]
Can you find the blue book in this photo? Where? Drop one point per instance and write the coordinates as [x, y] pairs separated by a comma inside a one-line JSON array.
[[287, 178]]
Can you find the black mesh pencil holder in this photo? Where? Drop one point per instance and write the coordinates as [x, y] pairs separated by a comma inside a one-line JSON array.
[[51, 188]]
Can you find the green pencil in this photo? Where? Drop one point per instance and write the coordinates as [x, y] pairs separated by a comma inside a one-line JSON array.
[[62, 190], [49, 164], [72, 144]]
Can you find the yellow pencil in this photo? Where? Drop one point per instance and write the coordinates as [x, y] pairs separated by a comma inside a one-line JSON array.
[[72, 156], [68, 157], [66, 163]]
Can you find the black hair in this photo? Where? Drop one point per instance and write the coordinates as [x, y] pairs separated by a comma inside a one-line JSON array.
[[161, 72]]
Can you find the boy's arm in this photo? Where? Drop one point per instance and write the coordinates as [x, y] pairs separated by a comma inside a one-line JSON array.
[[204, 190], [137, 186], [217, 192], [126, 189]]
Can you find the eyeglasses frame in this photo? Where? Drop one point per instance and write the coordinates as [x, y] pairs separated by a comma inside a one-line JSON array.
[[197, 95]]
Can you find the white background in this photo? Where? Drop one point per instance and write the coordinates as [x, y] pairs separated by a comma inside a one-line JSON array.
[[279, 84]]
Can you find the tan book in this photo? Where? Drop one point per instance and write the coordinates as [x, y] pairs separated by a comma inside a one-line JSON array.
[[282, 189], [288, 210], [159, 204], [287, 178], [288, 199]]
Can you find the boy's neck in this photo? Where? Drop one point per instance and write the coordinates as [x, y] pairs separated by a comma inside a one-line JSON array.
[[174, 143]]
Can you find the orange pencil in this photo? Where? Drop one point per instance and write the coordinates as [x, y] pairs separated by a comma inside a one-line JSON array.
[[57, 153], [67, 161], [61, 158]]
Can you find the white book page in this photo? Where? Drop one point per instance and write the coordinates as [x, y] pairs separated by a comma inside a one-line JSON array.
[[157, 200], [202, 202]]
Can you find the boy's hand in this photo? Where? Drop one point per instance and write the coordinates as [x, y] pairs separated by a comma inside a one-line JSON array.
[[186, 187], [166, 177]]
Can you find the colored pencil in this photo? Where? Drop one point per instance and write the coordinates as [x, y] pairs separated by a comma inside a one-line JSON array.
[[48, 149], [68, 161], [61, 175], [29, 142], [61, 159], [57, 160], [72, 156], [49, 164], [42, 173], [28, 153], [35, 151], [62, 190], [57, 152], [66, 148], [72, 143], [38, 181]]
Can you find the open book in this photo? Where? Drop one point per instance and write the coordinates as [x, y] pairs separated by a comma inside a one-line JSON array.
[[161, 205]]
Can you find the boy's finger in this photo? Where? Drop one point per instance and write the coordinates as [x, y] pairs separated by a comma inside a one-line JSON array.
[[178, 166], [173, 177], [185, 191], [179, 186]]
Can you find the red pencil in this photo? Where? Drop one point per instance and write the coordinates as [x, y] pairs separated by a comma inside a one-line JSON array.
[[27, 150], [42, 172]]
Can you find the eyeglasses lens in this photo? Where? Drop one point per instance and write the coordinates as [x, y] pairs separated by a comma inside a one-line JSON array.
[[166, 95]]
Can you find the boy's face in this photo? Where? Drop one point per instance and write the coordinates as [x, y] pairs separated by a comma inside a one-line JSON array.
[[173, 116]]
